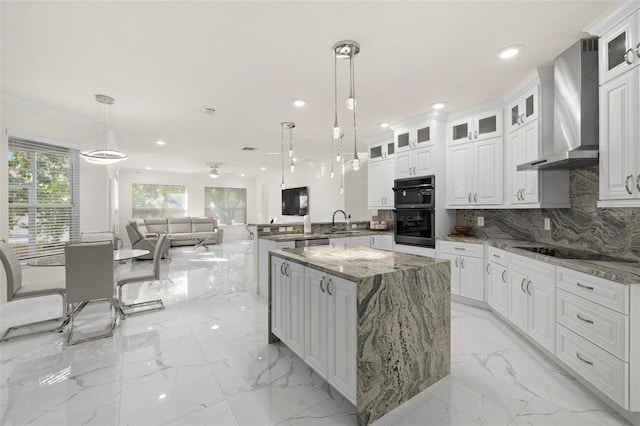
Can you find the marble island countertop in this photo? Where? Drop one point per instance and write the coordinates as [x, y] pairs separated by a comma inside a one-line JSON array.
[[355, 263], [316, 235], [624, 272]]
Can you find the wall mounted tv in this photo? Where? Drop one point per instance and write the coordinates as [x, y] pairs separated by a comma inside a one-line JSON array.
[[295, 201]]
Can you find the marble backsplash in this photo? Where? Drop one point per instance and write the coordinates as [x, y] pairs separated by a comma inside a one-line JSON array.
[[611, 231]]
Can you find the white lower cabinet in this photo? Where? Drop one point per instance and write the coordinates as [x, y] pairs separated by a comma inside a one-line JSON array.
[[497, 284], [362, 240], [381, 242], [331, 342], [264, 246], [531, 299], [467, 267], [287, 303]]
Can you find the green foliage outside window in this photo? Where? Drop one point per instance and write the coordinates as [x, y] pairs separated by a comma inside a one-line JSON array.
[[227, 205], [153, 200]]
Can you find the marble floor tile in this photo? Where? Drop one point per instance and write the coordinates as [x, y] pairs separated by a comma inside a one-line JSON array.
[[205, 360]]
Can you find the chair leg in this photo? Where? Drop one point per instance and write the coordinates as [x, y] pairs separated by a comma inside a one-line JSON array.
[[133, 307], [78, 309], [64, 318]]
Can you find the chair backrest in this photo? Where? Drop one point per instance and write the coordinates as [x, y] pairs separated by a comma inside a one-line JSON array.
[[89, 271], [12, 269], [134, 237], [157, 254], [203, 224]]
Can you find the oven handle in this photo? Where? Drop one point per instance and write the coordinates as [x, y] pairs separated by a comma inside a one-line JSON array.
[[424, 185]]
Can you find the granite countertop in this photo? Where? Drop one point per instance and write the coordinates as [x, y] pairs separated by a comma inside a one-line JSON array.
[[313, 236], [620, 272], [355, 263]]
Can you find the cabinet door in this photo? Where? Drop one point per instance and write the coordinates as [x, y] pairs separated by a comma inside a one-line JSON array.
[[402, 141], [613, 48], [423, 162], [517, 299], [423, 135], [342, 320], [530, 103], [375, 153], [490, 169], [391, 149], [518, 153], [455, 270], [403, 165], [472, 277], [359, 241], [296, 304], [619, 137], [487, 125], [279, 304], [316, 315], [514, 114], [388, 175], [531, 142], [374, 188], [460, 172], [461, 130], [387, 242], [542, 311], [497, 288]]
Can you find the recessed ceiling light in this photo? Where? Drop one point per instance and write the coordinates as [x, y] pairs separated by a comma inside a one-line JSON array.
[[160, 142], [273, 153], [438, 105], [241, 174], [509, 52], [263, 168], [148, 168], [295, 159], [298, 102], [384, 125]]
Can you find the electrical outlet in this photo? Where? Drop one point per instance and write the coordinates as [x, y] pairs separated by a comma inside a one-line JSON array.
[[289, 228], [547, 224], [266, 229], [354, 226], [480, 220], [282, 229]]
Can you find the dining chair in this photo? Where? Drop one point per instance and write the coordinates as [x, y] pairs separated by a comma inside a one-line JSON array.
[[17, 289], [128, 309], [89, 275]]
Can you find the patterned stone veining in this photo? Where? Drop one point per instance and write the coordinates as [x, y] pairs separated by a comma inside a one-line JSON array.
[[403, 321], [610, 231]]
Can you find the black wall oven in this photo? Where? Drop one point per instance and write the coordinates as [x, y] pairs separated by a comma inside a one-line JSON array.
[[414, 213]]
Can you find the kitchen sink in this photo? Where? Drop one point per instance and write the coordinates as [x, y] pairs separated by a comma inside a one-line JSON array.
[[567, 253]]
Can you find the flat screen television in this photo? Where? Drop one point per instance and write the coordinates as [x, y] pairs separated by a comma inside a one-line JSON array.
[[295, 201]]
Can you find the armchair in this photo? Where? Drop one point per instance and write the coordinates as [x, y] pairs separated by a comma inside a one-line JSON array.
[[140, 241]]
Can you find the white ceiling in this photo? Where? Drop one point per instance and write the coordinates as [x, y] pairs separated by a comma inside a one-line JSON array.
[[163, 61]]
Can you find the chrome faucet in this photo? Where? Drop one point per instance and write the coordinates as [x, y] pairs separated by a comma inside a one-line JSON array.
[[333, 220]]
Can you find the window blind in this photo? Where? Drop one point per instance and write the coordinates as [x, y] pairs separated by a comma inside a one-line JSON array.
[[43, 197]]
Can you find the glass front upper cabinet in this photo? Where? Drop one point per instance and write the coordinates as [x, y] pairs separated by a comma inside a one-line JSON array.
[[617, 49]]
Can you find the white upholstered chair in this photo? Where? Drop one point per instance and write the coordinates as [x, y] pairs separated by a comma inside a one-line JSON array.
[[127, 309], [90, 278], [17, 289]]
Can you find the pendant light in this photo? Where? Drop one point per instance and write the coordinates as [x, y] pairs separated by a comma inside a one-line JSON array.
[[104, 120], [331, 174], [336, 132], [347, 49], [289, 126], [341, 190]]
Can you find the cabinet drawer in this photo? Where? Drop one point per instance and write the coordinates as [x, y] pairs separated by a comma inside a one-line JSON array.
[[598, 290], [533, 268], [606, 328], [472, 250], [497, 256], [600, 368]]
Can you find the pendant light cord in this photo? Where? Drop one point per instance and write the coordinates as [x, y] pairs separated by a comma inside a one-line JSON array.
[[335, 89], [353, 93]]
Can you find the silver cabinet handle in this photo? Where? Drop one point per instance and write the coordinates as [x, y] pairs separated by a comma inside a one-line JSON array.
[[504, 280], [414, 170], [518, 194], [626, 56], [469, 198], [522, 286], [497, 256], [329, 286], [470, 136], [409, 171], [281, 270], [373, 241], [286, 270], [638, 50], [456, 261], [586, 361], [462, 262], [584, 286], [626, 184], [459, 248], [322, 282], [475, 197], [488, 268], [584, 319], [475, 134], [529, 287], [638, 182], [522, 117]]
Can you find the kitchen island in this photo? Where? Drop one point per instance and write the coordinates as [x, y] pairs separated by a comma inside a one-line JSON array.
[[375, 324]]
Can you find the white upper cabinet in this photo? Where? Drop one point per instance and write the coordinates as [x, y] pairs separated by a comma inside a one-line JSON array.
[[414, 137], [380, 184], [415, 147], [619, 48], [524, 109], [381, 150], [475, 127], [620, 141]]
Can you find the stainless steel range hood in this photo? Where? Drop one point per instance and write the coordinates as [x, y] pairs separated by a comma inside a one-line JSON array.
[[575, 115]]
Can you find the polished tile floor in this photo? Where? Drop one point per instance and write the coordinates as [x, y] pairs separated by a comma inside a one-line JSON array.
[[205, 360]]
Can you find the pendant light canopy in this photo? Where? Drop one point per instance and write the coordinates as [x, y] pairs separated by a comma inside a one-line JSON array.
[[105, 122], [346, 49]]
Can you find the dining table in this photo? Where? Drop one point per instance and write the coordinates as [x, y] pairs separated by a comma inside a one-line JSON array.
[[58, 259]]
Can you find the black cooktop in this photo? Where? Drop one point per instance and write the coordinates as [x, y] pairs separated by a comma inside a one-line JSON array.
[[566, 253]]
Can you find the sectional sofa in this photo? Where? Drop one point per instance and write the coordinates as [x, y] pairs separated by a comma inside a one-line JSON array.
[[182, 230]]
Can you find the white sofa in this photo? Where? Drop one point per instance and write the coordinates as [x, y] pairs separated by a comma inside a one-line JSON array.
[[182, 230]]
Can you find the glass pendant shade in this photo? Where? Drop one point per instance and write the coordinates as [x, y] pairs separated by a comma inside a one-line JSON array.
[[282, 185], [355, 164], [350, 103], [336, 132], [293, 168], [105, 154], [332, 174]]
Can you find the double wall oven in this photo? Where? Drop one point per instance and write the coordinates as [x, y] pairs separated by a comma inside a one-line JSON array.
[[414, 213]]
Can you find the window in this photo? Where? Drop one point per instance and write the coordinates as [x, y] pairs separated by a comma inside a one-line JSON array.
[[43, 197], [152, 200], [227, 205]]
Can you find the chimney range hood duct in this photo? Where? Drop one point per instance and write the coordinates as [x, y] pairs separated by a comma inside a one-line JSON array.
[[575, 110]]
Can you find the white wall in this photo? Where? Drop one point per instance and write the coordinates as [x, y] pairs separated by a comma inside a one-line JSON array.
[[195, 183], [41, 121], [355, 193]]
